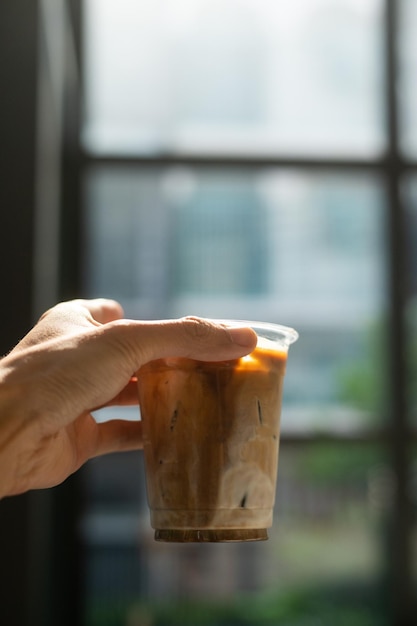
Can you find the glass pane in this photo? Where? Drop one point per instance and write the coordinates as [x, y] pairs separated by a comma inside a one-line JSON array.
[[305, 250], [408, 72], [234, 76], [321, 565]]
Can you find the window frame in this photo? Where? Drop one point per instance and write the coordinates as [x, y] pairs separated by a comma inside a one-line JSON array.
[[399, 435]]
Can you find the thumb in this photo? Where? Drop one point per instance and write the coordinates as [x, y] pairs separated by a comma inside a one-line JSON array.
[[191, 337]]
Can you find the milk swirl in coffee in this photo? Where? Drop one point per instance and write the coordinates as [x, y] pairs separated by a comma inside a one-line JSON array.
[[211, 438]]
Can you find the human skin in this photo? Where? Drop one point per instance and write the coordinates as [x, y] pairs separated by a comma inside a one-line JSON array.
[[82, 355]]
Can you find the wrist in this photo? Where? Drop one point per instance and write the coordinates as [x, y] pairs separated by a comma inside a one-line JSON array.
[[13, 428]]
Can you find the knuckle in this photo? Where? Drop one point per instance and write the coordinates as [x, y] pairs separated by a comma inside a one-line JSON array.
[[197, 328]]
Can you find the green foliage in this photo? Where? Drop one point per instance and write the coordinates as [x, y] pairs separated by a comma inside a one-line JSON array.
[[336, 464], [411, 355], [363, 384], [352, 604]]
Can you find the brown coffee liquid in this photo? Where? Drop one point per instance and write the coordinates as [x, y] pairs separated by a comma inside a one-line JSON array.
[[211, 437]]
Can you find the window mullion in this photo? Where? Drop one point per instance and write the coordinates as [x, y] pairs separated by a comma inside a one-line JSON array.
[[400, 528]]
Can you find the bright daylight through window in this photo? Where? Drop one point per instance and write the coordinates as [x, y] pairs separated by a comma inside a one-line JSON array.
[[234, 167]]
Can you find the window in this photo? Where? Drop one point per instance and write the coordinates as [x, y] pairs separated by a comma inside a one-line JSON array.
[[253, 159], [241, 76]]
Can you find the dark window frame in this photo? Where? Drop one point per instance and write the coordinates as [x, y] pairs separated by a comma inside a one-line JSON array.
[[398, 436]]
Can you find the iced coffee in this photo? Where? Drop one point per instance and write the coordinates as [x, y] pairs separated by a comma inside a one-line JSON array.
[[211, 438]]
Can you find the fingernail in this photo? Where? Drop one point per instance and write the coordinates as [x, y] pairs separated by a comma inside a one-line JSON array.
[[242, 336]]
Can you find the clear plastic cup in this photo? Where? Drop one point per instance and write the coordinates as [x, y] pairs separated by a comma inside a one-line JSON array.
[[211, 439]]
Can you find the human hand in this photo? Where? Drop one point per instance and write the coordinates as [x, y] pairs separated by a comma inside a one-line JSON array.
[[81, 356]]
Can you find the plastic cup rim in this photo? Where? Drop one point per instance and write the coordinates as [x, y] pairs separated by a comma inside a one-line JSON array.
[[290, 334]]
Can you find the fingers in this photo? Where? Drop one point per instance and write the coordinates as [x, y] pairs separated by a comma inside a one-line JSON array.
[[190, 337], [202, 338], [119, 436]]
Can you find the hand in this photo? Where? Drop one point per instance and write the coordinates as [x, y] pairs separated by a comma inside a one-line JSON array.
[[81, 356]]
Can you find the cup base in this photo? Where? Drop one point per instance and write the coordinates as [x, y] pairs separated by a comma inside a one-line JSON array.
[[211, 535]]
